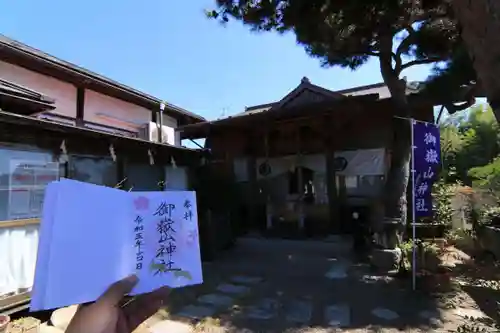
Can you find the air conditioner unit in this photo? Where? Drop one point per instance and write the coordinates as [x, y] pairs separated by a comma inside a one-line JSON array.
[[150, 132]]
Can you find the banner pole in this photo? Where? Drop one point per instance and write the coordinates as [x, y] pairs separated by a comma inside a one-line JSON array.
[[414, 254], [414, 120]]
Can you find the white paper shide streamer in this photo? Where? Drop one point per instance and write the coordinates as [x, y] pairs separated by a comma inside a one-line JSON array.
[[151, 158], [63, 158], [112, 152]]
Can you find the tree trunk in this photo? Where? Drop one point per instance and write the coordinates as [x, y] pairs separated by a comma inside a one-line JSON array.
[[396, 184], [480, 23], [399, 172]]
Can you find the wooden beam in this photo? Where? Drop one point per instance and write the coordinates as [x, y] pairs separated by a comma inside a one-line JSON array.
[[18, 223], [15, 302]]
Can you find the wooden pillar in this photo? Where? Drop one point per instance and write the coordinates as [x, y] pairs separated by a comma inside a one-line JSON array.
[[80, 107], [331, 185], [300, 180], [252, 181], [269, 209]]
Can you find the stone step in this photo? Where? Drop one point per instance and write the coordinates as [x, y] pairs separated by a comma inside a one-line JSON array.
[[243, 279], [338, 270], [298, 311], [216, 300], [234, 289], [196, 311]]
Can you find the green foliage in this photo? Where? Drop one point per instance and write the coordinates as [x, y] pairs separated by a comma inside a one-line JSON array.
[[487, 176], [425, 253], [348, 33], [442, 194], [469, 148], [489, 213]]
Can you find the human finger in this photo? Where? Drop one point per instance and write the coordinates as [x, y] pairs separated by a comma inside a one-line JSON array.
[[114, 294], [144, 306]]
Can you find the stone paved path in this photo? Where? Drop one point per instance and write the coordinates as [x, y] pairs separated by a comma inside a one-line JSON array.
[[278, 286]]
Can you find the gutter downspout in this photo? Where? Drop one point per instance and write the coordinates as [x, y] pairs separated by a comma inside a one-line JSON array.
[[160, 132]]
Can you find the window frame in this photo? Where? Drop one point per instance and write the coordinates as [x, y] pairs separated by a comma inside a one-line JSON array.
[[30, 148]]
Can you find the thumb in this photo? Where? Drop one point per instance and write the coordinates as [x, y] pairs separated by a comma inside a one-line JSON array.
[[114, 294]]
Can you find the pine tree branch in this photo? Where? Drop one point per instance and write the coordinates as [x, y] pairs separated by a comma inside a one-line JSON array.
[[398, 63], [406, 43], [427, 15], [403, 46], [425, 61], [456, 107]]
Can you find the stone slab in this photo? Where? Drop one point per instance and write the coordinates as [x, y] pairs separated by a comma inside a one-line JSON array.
[[428, 314], [233, 289], [244, 279], [217, 300], [338, 315], [299, 311], [384, 313], [196, 311], [169, 326], [334, 239], [433, 317], [266, 308], [386, 259], [338, 270]]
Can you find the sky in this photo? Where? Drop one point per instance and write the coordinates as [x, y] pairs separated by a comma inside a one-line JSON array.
[[169, 49]]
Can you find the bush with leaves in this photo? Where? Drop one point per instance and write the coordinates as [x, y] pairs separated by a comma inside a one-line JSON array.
[[490, 215], [442, 194], [470, 143]]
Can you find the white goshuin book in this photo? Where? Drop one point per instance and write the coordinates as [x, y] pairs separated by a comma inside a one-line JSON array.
[[92, 236]]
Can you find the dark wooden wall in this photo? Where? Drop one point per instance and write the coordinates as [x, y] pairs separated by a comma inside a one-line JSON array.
[[342, 130]]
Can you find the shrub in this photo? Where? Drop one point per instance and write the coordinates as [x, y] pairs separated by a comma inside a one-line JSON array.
[[442, 194]]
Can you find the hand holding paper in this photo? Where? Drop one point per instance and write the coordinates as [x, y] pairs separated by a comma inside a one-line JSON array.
[[106, 314], [92, 236]]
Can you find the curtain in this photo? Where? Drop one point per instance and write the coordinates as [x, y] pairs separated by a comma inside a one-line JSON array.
[[363, 162], [18, 247]]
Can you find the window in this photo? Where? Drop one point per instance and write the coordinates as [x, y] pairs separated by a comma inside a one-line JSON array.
[[143, 177], [24, 174], [176, 179], [95, 170]]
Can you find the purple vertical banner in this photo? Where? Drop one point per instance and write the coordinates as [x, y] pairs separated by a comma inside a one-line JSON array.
[[426, 163]]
